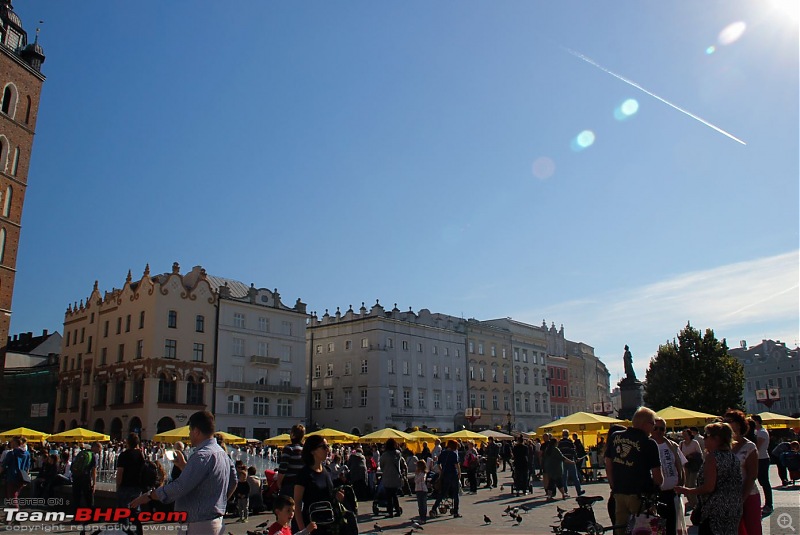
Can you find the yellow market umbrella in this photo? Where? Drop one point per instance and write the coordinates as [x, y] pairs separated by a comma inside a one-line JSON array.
[[677, 417], [182, 433], [580, 421], [173, 435], [335, 436], [383, 435], [30, 434], [422, 438], [231, 439], [770, 420], [465, 434], [78, 434], [279, 440]]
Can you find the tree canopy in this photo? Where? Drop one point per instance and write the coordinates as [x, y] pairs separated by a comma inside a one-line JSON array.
[[694, 372]]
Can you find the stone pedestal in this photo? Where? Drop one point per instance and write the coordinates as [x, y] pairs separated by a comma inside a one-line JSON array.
[[632, 398]]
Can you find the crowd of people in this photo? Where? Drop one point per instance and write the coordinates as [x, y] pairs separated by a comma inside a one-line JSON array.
[[317, 485]]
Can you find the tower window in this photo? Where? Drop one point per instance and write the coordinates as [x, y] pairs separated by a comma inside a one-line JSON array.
[[7, 202], [9, 104], [28, 111], [15, 163]]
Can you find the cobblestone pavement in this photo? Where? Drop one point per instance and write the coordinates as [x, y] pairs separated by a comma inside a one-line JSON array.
[[490, 502]]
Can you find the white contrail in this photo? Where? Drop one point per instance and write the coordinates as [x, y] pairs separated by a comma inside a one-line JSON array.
[[590, 61]]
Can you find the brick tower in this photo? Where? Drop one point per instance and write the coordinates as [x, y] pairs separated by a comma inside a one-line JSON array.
[[20, 86]]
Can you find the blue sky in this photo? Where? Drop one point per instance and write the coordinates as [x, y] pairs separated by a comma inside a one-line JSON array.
[[426, 154]]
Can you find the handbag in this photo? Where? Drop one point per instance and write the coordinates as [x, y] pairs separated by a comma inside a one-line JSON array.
[[321, 513]]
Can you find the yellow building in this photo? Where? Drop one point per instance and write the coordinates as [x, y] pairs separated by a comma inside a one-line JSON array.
[[139, 358]]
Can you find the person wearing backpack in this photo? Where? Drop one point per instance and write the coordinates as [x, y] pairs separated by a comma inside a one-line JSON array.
[[84, 476], [15, 467]]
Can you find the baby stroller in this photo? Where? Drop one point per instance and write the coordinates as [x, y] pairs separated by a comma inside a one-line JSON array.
[[791, 460], [381, 501], [269, 488], [522, 483]]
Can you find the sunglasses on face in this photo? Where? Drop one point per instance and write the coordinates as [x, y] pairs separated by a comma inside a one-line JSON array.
[[326, 447]]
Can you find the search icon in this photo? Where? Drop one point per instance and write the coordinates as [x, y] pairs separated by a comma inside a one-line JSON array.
[[784, 521]]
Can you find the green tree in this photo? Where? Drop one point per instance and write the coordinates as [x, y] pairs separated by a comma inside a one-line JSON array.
[[694, 372]]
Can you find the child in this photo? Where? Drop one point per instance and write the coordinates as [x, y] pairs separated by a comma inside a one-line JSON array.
[[242, 493], [284, 512], [421, 490]]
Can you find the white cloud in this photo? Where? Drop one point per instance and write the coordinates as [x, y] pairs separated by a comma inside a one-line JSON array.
[[746, 300]]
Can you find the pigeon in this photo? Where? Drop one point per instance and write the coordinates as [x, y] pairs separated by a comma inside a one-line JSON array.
[[502, 488], [377, 528], [487, 520], [263, 524], [507, 511], [518, 518], [525, 508], [417, 525]]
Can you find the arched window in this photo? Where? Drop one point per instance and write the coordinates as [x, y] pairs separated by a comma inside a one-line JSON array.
[[7, 202], [2, 245], [28, 111], [166, 389], [3, 153], [9, 105], [15, 163], [194, 391]]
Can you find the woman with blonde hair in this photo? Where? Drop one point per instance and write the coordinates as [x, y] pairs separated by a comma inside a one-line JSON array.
[[719, 483]]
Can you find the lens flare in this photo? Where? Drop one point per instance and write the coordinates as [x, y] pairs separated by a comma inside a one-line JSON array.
[[582, 141], [710, 50], [626, 109], [731, 33], [543, 167]]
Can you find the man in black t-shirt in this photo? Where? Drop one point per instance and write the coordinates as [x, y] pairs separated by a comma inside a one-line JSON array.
[[633, 465], [129, 470]]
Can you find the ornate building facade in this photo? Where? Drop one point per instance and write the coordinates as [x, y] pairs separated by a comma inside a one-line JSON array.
[[21, 82], [140, 358]]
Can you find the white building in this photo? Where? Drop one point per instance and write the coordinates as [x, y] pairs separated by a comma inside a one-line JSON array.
[[260, 368], [377, 368], [528, 358], [770, 365]]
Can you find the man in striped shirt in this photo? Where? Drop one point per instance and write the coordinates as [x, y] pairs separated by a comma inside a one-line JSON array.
[[291, 461]]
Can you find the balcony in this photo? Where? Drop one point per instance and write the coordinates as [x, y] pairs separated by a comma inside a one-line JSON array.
[[265, 361], [256, 387]]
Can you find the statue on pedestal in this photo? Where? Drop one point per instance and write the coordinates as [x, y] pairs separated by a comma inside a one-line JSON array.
[[631, 391]]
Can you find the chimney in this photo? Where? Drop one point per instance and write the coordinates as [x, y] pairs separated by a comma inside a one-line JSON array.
[[44, 333], [743, 344]]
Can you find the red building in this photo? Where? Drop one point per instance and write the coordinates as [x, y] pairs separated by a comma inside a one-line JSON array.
[[558, 381]]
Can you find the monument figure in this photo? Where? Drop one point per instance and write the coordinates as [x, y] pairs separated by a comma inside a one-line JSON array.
[[631, 391], [630, 374]]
